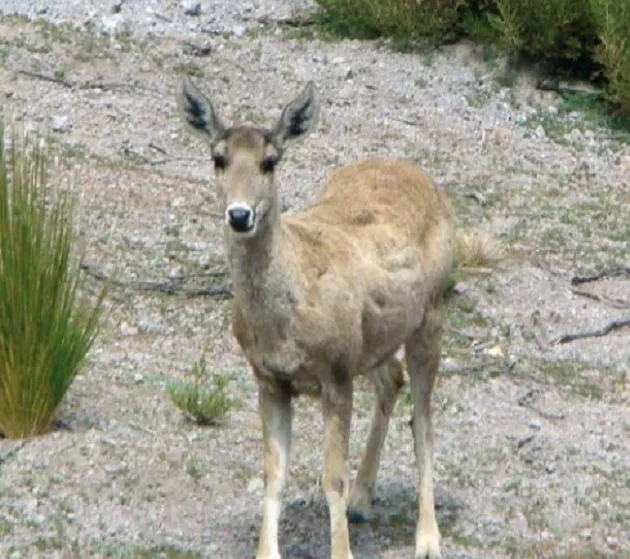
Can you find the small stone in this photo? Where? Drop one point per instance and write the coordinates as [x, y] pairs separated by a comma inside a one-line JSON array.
[[238, 30], [502, 136], [535, 425], [255, 485], [61, 125], [110, 24], [540, 132], [611, 542], [138, 378], [192, 8], [495, 351], [349, 74], [550, 468]]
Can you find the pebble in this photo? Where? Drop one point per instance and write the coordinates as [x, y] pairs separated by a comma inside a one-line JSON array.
[[238, 30], [61, 125], [138, 378], [535, 425], [192, 8], [612, 542]]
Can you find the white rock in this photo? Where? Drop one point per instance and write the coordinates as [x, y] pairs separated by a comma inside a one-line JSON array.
[[238, 30], [61, 125]]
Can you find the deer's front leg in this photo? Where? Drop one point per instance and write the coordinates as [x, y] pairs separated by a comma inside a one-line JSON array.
[[337, 408], [275, 413]]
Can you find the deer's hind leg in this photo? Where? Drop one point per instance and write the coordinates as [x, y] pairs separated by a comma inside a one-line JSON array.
[[422, 352], [387, 380]]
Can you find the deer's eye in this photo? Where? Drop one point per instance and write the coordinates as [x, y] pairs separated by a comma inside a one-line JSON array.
[[220, 162], [268, 164]]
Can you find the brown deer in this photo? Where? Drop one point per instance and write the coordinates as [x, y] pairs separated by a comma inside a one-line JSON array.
[[328, 294]]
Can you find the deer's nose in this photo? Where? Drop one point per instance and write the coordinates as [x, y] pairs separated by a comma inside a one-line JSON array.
[[240, 218]]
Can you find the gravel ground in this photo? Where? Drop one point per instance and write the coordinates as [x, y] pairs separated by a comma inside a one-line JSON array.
[[532, 437]]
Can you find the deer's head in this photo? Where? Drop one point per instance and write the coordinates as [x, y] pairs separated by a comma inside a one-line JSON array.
[[245, 157]]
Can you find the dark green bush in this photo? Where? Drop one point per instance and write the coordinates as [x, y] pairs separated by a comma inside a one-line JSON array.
[[405, 21], [588, 39], [612, 18]]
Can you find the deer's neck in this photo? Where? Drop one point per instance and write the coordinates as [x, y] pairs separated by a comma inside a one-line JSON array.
[[262, 273]]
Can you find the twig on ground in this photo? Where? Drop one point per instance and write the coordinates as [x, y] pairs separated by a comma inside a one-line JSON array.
[[614, 325], [609, 273], [160, 149], [169, 287], [477, 197], [105, 86], [408, 121], [46, 78], [615, 303]]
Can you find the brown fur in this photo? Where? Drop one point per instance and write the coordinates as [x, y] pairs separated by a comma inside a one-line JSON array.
[[331, 293]]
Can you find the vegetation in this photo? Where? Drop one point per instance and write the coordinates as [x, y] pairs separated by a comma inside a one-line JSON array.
[[204, 398], [577, 38], [46, 325]]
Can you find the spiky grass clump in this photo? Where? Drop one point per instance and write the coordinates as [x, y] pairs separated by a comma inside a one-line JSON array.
[[203, 399], [46, 326], [477, 249]]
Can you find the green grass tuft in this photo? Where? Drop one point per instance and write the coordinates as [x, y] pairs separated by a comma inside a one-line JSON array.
[[46, 325], [203, 399]]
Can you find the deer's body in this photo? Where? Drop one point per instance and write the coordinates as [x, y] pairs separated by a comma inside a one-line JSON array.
[[328, 294], [343, 284]]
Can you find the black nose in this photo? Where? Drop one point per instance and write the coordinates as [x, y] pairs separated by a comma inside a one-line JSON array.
[[240, 219]]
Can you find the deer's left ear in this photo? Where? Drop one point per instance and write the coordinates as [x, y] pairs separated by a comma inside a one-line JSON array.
[[299, 116]]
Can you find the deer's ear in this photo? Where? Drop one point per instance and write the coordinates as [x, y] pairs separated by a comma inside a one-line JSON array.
[[298, 117], [198, 112]]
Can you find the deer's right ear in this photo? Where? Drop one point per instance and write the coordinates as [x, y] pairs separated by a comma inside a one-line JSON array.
[[198, 111]]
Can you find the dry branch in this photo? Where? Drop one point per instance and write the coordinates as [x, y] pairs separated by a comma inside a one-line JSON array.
[[614, 325], [609, 273], [105, 86], [170, 287]]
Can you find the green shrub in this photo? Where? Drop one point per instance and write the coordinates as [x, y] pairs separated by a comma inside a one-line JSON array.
[[587, 39], [46, 326], [613, 52], [559, 33], [405, 21], [203, 399]]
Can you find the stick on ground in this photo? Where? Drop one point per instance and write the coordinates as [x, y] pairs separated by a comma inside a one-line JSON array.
[[614, 325]]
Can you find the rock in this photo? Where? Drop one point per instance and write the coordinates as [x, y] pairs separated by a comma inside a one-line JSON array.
[[111, 24], [138, 378], [535, 425], [192, 8], [540, 132], [238, 30], [611, 542], [61, 125], [495, 351], [550, 468], [502, 136]]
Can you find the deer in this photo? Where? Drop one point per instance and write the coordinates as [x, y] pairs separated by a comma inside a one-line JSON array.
[[329, 293]]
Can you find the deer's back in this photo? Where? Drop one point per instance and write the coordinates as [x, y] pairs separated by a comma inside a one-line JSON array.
[[378, 208]]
